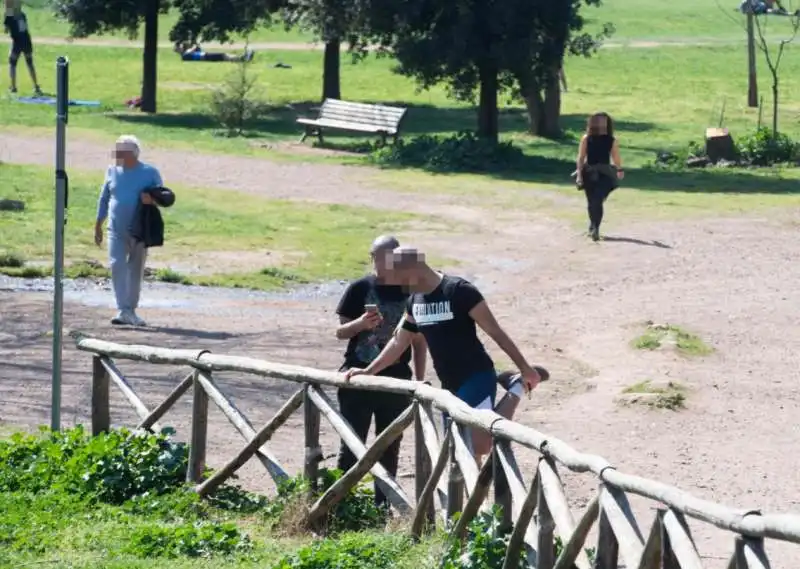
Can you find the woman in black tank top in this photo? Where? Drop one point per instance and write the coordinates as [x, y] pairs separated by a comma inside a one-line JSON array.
[[598, 167]]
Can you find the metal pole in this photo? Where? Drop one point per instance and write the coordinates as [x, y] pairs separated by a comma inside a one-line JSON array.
[[62, 189]]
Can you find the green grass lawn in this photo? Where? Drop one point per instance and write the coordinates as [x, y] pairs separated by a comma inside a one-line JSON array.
[[308, 242], [635, 20], [661, 99]]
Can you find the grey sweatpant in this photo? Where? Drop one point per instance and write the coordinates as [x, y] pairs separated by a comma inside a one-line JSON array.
[[127, 259]]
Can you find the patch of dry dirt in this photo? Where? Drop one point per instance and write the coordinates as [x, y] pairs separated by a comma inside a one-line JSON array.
[[569, 303]]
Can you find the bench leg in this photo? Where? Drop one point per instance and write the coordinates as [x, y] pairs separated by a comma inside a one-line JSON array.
[[319, 136], [305, 135]]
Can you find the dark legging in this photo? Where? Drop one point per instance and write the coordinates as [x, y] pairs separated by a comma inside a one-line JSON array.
[[594, 200]]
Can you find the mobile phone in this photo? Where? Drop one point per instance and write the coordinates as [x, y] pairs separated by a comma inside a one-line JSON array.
[[372, 308]]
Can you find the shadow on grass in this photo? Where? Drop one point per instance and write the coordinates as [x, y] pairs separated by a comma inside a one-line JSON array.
[[280, 121], [277, 121]]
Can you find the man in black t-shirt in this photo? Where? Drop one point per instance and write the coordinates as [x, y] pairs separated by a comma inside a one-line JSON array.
[[369, 311], [445, 310], [16, 24]]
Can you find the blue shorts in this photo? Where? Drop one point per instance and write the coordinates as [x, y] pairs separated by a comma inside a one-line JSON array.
[[478, 391]]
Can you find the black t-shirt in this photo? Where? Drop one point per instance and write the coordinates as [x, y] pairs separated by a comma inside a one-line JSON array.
[[442, 316], [363, 348]]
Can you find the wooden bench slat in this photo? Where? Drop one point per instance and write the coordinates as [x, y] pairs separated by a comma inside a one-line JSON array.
[[346, 125], [358, 117]]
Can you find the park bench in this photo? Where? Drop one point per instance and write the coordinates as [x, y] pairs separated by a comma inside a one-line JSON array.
[[334, 114]]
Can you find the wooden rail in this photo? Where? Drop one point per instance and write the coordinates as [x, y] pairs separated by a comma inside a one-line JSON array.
[[536, 512]]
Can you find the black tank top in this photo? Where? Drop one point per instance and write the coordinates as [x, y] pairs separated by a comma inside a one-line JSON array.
[[598, 148]]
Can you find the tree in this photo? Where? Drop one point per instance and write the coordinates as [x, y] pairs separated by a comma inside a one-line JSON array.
[[89, 17], [332, 22], [479, 48], [561, 26], [211, 19], [774, 55]]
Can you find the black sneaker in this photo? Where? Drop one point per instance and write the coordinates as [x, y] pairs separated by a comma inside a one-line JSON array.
[[12, 90], [595, 233]]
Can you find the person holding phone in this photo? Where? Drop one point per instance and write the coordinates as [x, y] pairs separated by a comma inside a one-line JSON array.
[[369, 311]]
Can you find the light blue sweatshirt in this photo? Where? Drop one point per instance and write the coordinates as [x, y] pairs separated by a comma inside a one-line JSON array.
[[121, 194]]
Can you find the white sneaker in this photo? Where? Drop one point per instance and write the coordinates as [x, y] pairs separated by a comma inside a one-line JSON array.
[[123, 318], [136, 321]]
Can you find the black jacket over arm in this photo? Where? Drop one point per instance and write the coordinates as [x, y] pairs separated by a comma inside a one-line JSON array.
[[148, 225]]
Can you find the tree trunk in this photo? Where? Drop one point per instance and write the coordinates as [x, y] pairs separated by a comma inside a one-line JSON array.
[[331, 85], [550, 125], [149, 73], [774, 104], [487, 110], [534, 105]]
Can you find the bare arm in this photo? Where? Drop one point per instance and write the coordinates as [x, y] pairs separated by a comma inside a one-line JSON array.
[[349, 327], [581, 160], [420, 356], [615, 155], [399, 343], [484, 318]]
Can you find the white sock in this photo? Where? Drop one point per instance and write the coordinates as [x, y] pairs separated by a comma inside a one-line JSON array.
[[516, 389]]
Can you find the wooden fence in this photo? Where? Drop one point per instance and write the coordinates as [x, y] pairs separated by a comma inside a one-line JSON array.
[[536, 511]]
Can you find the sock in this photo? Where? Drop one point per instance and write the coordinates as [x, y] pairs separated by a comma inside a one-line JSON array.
[[516, 389]]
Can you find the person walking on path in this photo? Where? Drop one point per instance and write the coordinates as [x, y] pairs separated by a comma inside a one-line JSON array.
[[124, 188], [445, 309], [16, 25], [369, 311], [599, 167]]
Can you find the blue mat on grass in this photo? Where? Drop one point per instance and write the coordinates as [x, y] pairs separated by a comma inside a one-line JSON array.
[[52, 101]]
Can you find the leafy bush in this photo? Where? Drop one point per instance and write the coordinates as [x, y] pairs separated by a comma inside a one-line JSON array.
[[233, 104], [355, 512], [763, 148], [200, 539], [463, 152], [235, 499], [486, 545], [351, 551], [112, 467]]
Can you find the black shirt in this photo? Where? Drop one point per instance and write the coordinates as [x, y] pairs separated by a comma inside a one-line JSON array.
[[442, 316], [598, 149], [366, 346]]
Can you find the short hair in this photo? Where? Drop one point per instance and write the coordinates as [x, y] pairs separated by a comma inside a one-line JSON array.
[[129, 143], [407, 258], [384, 243]]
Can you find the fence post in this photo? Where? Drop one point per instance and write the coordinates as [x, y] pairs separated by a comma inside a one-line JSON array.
[[313, 454], [502, 491], [545, 542], [455, 480], [101, 406], [197, 448], [607, 553], [422, 463]]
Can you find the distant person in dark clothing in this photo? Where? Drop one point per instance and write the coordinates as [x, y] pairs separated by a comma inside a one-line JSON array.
[[194, 52], [16, 25], [599, 167], [369, 311]]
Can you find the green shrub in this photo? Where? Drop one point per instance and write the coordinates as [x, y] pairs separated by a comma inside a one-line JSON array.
[[350, 551], [763, 148], [463, 152], [234, 499], [200, 539], [485, 547], [112, 467], [171, 276], [11, 260], [234, 105]]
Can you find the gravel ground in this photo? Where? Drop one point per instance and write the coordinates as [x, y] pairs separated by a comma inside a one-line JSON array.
[[572, 305]]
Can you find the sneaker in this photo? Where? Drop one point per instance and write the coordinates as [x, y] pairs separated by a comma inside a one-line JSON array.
[[38, 92], [123, 318], [12, 90], [595, 234], [136, 321]]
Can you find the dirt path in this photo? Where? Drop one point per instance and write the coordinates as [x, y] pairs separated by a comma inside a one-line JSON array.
[[571, 304], [316, 46]]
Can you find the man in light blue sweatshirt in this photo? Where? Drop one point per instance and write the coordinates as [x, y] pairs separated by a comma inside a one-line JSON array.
[[123, 189]]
